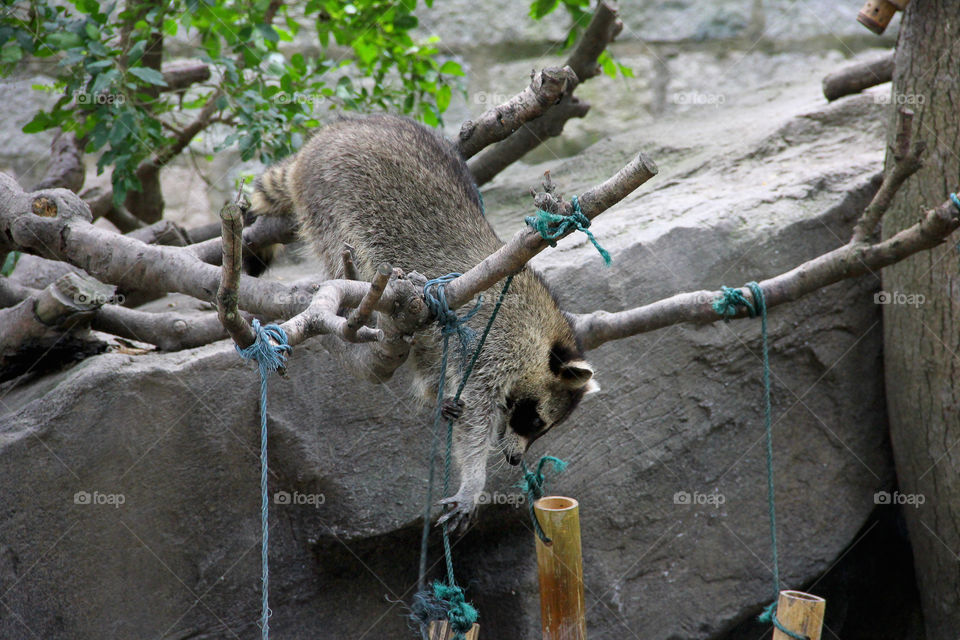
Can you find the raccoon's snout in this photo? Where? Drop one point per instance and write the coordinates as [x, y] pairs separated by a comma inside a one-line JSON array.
[[513, 458]]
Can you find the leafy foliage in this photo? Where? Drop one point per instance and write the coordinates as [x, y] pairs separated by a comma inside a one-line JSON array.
[[111, 94]]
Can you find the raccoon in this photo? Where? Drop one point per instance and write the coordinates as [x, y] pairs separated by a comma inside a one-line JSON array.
[[399, 193]]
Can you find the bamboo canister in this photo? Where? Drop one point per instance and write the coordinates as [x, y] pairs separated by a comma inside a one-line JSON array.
[[801, 613], [877, 14], [560, 566], [440, 630]]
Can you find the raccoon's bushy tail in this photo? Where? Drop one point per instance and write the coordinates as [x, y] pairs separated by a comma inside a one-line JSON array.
[[272, 191]]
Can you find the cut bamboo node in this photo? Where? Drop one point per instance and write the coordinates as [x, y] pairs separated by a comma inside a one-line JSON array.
[[440, 630], [560, 566], [801, 613]]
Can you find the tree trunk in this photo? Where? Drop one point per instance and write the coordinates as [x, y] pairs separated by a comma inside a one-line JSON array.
[[922, 340]]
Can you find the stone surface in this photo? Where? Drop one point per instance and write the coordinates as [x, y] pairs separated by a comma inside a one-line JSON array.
[[746, 189]]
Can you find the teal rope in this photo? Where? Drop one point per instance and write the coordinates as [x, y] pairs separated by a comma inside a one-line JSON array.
[[533, 484], [726, 306], [552, 226], [447, 599], [269, 357], [955, 200]]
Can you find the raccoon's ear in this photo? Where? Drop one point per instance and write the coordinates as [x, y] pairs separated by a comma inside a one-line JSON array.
[[578, 374]]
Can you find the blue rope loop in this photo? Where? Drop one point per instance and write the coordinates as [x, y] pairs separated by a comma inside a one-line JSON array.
[[429, 605], [955, 200], [269, 357], [552, 226], [533, 484], [450, 323], [726, 307]]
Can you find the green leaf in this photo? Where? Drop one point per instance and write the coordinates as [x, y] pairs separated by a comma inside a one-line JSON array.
[[150, 76], [9, 263], [11, 52], [540, 8], [41, 122], [451, 68], [443, 98]]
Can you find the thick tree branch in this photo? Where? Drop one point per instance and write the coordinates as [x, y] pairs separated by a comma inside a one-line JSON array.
[[66, 170], [857, 77], [545, 89], [182, 74]]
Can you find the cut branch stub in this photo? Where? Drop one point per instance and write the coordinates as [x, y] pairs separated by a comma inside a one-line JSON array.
[[361, 315], [228, 299]]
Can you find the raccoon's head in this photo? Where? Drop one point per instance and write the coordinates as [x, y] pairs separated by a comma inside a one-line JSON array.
[[543, 398]]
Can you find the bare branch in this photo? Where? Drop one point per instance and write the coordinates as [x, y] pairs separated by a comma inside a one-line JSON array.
[[857, 77], [603, 29], [264, 232], [545, 89], [349, 267], [849, 261], [66, 170], [906, 162], [527, 243], [228, 308], [527, 138], [182, 74], [361, 315]]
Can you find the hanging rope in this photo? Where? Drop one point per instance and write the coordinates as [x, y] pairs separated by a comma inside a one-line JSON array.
[[269, 357], [726, 306], [446, 600], [533, 484], [552, 226]]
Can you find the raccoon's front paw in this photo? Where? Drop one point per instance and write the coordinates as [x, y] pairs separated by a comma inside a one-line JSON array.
[[451, 409], [461, 509]]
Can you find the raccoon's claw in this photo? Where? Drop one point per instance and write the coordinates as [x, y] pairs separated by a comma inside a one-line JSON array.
[[451, 409], [459, 517]]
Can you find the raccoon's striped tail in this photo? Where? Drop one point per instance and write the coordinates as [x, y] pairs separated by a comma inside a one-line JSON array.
[[272, 189]]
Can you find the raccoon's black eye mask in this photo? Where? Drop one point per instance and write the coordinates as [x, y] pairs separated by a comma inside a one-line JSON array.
[[525, 420]]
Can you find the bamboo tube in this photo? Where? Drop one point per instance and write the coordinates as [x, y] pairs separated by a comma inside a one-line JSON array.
[[440, 630], [877, 14], [801, 613], [560, 565]]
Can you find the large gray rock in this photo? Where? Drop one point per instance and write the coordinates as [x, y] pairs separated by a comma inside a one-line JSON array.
[[745, 191]]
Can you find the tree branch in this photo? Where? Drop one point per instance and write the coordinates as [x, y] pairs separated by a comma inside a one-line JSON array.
[[545, 89], [604, 27], [857, 77]]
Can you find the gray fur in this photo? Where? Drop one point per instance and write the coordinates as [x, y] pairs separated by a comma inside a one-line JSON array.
[[398, 193]]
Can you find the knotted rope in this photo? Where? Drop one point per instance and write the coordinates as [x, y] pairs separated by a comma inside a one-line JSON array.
[[726, 306], [533, 483], [269, 357], [447, 600], [552, 226]]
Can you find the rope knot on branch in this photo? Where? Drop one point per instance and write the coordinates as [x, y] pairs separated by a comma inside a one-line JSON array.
[[552, 226], [270, 348], [533, 483], [450, 323], [730, 302]]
